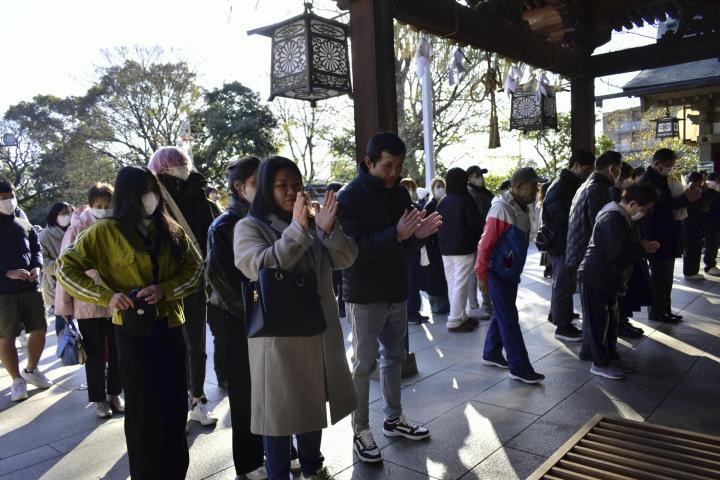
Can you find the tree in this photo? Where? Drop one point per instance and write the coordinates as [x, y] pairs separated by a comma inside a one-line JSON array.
[[140, 103], [308, 132], [603, 144], [231, 122], [552, 146], [18, 162]]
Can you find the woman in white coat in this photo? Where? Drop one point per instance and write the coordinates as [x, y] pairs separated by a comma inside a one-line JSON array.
[[294, 377]]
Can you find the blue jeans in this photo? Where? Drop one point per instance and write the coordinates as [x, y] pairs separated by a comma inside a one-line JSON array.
[[377, 327], [504, 329], [278, 454]]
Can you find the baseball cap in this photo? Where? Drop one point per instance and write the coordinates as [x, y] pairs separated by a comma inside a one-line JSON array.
[[475, 170], [525, 174]]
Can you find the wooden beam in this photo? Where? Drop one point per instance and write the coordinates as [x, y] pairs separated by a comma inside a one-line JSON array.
[[449, 19], [582, 116], [663, 54], [373, 59]]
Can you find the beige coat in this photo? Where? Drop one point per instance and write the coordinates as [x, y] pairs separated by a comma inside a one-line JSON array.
[[293, 377]]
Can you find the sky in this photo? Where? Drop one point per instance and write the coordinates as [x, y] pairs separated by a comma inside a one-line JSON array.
[[53, 46]]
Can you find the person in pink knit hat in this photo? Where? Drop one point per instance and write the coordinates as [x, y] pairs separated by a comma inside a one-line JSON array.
[[94, 321]]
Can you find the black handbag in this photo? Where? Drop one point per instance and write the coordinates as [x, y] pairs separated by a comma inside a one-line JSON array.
[[140, 320], [544, 238], [283, 304]]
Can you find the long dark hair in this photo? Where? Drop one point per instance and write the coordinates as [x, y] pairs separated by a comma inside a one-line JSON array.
[[55, 210], [130, 186], [264, 203]]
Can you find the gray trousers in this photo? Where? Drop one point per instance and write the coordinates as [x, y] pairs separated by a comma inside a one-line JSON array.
[[563, 289], [472, 299], [377, 328]]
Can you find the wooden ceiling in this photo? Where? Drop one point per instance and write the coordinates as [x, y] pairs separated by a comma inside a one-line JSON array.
[[588, 23]]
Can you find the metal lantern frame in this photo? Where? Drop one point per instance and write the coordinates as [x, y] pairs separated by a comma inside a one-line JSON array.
[[310, 59], [667, 126], [527, 113]]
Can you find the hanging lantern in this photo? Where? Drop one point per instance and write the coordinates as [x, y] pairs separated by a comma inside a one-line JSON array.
[[530, 111], [667, 126], [309, 58]]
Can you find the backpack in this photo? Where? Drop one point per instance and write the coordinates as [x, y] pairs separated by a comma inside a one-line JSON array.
[[70, 348]]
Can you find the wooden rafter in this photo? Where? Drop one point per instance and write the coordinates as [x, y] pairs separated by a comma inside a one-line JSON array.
[[449, 19]]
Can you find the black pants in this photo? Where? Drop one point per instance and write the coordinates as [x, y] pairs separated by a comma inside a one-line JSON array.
[[711, 249], [247, 447], [600, 322], [96, 333], [155, 379], [215, 318], [693, 248], [661, 279], [195, 325]]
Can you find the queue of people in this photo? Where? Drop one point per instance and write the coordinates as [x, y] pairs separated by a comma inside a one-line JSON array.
[[148, 263]]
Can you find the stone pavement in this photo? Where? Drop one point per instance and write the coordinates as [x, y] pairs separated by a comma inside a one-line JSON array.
[[483, 425]]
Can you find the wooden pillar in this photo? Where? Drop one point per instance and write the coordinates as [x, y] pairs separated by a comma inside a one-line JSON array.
[[373, 61], [582, 114]]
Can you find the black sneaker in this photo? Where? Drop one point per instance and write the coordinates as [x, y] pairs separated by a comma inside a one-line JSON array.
[[365, 447], [569, 333], [400, 427], [495, 362], [532, 377], [626, 330]]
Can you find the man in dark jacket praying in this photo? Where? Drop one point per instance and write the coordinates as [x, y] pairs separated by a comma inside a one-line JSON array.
[[662, 226], [378, 214], [552, 238], [605, 272]]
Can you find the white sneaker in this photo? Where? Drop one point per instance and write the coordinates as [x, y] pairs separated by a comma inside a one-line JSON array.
[[259, 474], [36, 377], [202, 415], [479, 313], [365, 447], [714, 271], [23, 339], [697, 276], [18, 391]]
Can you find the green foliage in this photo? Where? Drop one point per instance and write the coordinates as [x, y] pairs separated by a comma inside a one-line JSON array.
[[552, 146], [603, 143], [492, 182], [232, 122]]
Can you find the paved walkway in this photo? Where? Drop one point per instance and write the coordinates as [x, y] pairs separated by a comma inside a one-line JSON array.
[[483, 425]]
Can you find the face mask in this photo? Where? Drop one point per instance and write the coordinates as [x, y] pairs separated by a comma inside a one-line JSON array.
[[637, 216], [214, 197], [249, 193], [712, 184], [150, 202], [7, 207], [101, 212], [665, 172], [439, 192], [63, 220], [182, 172]]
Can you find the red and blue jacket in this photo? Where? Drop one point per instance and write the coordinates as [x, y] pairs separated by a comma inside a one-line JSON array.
[[505, 239]]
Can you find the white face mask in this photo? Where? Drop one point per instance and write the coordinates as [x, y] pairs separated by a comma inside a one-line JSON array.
[[7, 207], [100, 213], [182, 172], [478, 181], [150, 202], [637, 216], [63, 220], [439, 192], [249, 193], [664, 171], [214, 197]]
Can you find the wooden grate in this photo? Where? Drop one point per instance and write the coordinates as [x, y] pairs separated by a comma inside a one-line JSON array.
[[617, 449]]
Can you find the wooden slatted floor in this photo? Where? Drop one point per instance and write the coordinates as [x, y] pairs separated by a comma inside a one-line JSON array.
[[618, 449]]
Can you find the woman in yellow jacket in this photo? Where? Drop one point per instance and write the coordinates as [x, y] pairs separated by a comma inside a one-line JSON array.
[[146, 264]]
